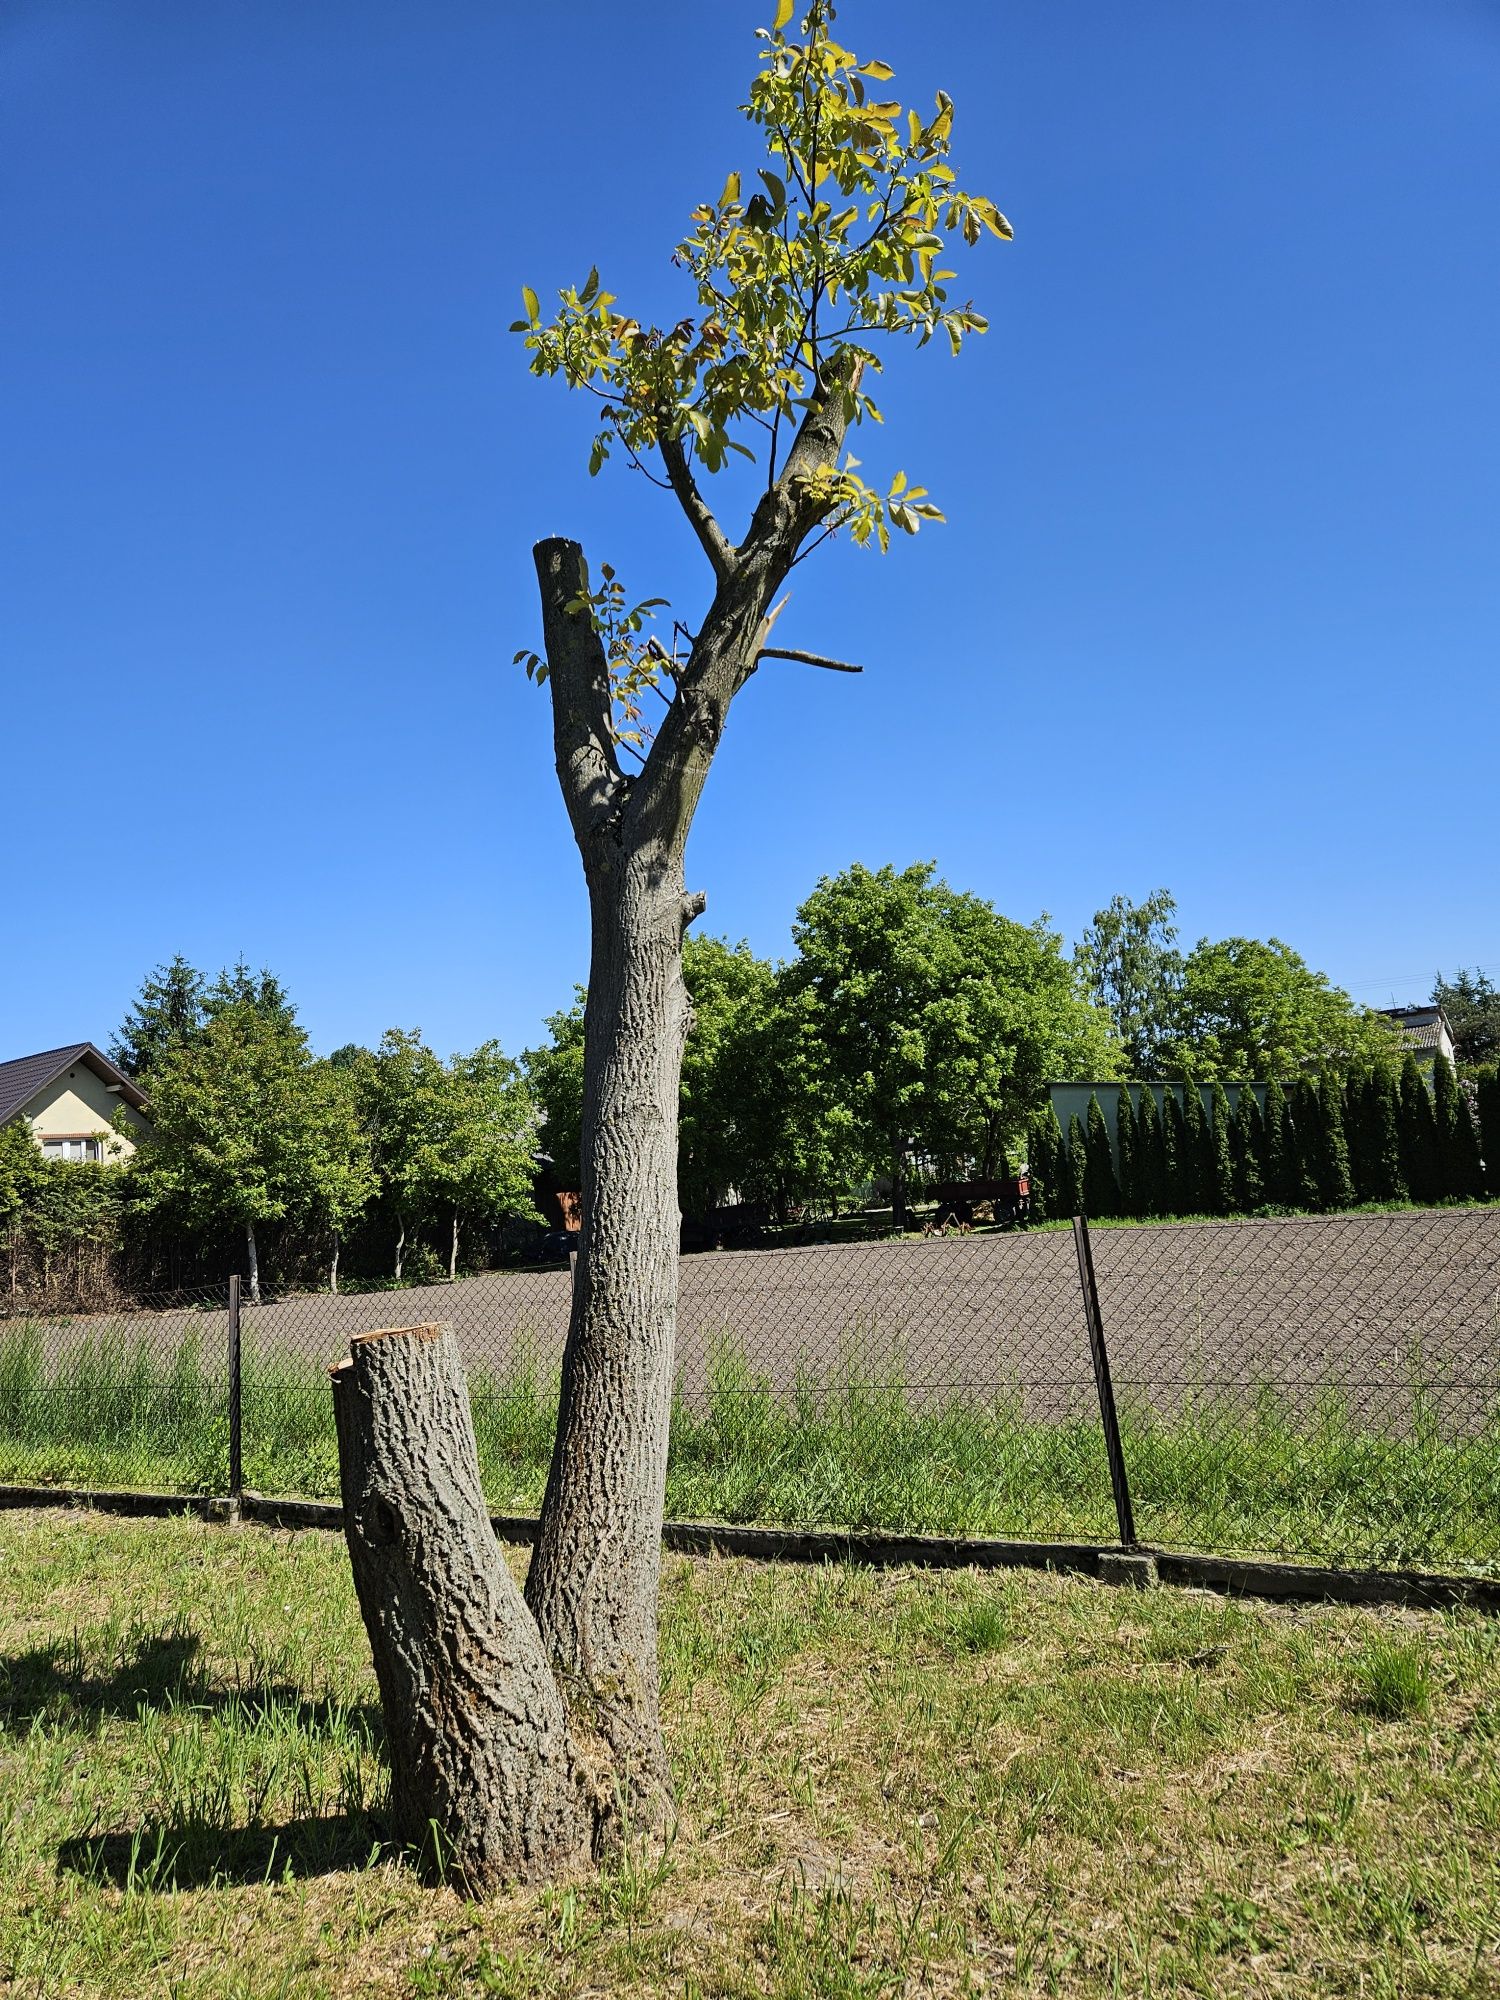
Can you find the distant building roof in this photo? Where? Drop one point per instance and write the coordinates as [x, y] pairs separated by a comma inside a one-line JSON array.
[[21, 1079], [1420, 1027]]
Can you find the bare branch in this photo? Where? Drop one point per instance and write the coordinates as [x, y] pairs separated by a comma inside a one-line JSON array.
[[578, 676], [716, 544], [807, 659]]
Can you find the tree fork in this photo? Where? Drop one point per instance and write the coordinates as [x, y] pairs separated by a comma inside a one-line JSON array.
[[489, 1782]]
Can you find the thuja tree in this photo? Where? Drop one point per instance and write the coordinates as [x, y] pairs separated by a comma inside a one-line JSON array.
[[796, 279], [1127, 1151], [1151, 1156], [1221, 1187], [1101, 1191]]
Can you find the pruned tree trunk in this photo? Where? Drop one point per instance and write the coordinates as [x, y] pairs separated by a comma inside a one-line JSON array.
[[252, 1264], [596, 1570], [400, 1251], [487, 1782], [453, 1252], [333, 1266]]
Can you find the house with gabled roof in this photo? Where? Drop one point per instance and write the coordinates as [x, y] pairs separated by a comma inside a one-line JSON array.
[[1424, 1033], [70, 1098]]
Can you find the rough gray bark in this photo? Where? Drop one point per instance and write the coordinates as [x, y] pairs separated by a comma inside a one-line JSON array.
[[524, 1742], [487, 1782], [596, 1568]]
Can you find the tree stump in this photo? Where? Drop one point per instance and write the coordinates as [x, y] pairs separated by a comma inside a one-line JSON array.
[[485, 1784]]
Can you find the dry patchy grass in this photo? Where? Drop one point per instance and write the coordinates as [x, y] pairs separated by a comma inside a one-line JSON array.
[[891, 1783]]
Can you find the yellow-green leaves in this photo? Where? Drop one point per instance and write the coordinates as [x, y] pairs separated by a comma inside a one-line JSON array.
[[636, 661], [845, 243]]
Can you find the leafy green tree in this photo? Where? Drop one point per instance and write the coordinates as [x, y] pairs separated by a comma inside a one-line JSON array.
[[1471, 1005], [344, 1181], [407, 1107], [484, 1147], [239, 1127], [1247, 1008], [732, 991], [1151, 1156], [1247, 1144], [939, 1020], [168, 1011], [1100, 1188], [1133, 969], [53, 1213], [1127, 1153], [554, 1076]]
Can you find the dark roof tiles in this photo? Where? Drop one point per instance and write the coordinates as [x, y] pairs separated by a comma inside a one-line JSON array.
[[22, 1079]]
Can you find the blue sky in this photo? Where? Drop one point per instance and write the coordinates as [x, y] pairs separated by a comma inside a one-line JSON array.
[[1217, 606]]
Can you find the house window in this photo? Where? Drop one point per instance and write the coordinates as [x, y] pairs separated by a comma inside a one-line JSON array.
[[73, 1149]]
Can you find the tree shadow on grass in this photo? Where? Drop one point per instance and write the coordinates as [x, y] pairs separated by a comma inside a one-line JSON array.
[[160, 1670], [198, 1854]]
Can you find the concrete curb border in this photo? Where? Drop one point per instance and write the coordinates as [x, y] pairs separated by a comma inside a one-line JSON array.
[[1297, 1583]]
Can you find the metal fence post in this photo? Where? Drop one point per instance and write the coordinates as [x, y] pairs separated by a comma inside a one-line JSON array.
[[1114, 1450], [236, 1467]]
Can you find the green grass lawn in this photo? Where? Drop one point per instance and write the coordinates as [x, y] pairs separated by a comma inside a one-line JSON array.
[[890, 1783], [1255, 1476]]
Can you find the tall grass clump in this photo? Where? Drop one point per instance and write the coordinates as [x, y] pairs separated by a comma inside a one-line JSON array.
[[856, 1446]]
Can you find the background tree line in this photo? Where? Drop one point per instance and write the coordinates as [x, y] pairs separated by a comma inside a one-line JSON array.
[[380, 1161], [1378, 1134], [909, 1037], [915, 1029]]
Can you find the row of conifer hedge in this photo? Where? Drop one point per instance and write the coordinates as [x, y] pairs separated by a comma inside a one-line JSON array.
[[1377, 1135]]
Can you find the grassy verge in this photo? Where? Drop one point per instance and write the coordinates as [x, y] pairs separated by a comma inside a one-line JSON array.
[[890, 1783], [1256, 1475]]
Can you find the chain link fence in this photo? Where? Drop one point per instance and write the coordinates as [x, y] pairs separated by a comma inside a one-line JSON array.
[[1321, 1387]]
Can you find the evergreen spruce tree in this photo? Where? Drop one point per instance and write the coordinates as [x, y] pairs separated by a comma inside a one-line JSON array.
[[1335, 1183], [1387, 1182], [1487, 1081], [1127, 1154], [1221, 1141], [1248, 1145], [1078, 1167], [1101, 1190], [1151, 1158], [1278, 1173], [1419, 1154], [1197, 1158]]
